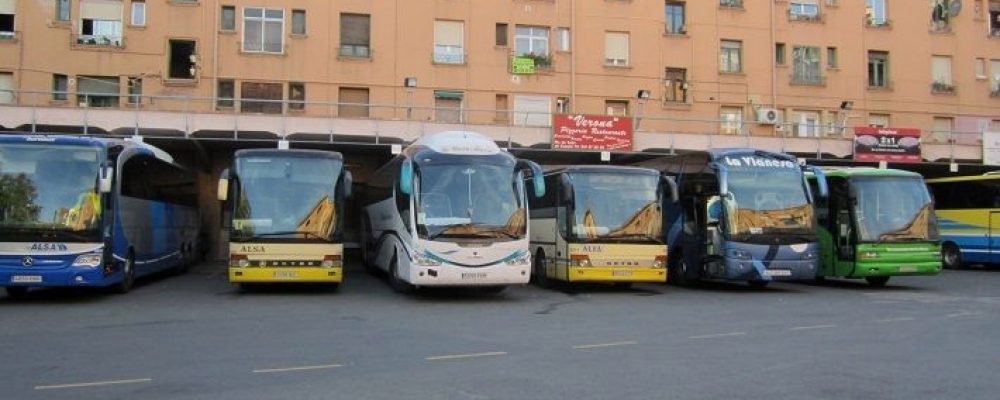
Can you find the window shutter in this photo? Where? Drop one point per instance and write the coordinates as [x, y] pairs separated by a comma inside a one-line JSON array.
[[532, 110], [941, 69], [7, 7], [449, 33], [616, 46], [355, 29], [101, 9]]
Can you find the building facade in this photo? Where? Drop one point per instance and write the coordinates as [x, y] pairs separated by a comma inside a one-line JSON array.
[[804, 71]]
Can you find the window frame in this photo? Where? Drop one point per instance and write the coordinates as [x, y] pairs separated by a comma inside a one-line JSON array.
[[132, 13], [263, 20], [726, 56]]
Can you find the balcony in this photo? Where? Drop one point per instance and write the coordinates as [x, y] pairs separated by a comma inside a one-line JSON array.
[[528, 64], [943, 87], [738, 4], [107, 41], [804, 17], [807, 80], [877, 22]]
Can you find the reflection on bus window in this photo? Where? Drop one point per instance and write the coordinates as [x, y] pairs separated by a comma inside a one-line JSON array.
[[49, 188], [624, 206]]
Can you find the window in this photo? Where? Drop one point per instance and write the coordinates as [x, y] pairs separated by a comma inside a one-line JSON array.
[[355, 35], [353, 102], [941, 15], [995, 17], [562, 105], [228, 22], [731, 3], [980, 67], [97, 91], [533, 110], [503, 109], [60, 85], [875, 14], [616, 49], [62, 10], [806, 70], [731, 119], [675, 85], [261, 97], [779, 53], [501, 34], [809, 124], [675, 18], [100, 23], [296, 96], [182, 59], [731, 56], [831, 57], [878, 69], [941, 74], [226, 93], [618, 108], [138, 13], [6, 18], [6, 88], [449, 42], [803, 10], [531, 40], [298, 22], [562, 39], [942, 130], [448, 106], [878, 120], [263, 30], [995, 77], [134, 90]]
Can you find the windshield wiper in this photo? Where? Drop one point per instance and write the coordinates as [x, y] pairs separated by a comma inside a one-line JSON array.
[[304, 233]]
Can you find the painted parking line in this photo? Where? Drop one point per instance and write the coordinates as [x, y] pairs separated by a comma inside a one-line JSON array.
[[897, 319], [91, 384], [812, 327], [600, 345], [963, 313], [466, 356], [294, 369], [718, 335]]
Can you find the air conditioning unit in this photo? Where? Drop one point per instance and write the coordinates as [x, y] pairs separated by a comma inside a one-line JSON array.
[[768, 116]]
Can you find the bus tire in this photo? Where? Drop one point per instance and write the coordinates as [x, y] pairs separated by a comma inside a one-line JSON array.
[[679, 273], [758, 284], [951, 256], [397, 285], [538, 270], [186, 260], [128, 276], [17, 292], [877, 281]]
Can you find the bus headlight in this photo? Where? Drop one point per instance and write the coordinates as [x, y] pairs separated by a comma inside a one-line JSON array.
[[521, 259], [870, 255], [239, 260], [92, 260], [579, 260], [661, 262], [739, 254], [425, 261], [330, 261]]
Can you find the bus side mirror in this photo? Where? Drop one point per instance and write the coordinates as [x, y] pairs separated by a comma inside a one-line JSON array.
[[824, 191], [222, 192], [348, 183], [537, 176], [104, 182], [669, 182], [406, 177], [723, 180]]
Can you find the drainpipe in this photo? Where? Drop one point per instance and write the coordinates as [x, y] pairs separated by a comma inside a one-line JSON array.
[[572, 56], [215, 58], [774, 66]]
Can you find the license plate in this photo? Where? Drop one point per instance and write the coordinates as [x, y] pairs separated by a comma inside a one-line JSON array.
[[26, 279], [907, 269], [621, 273], [286, 274], [779, 272], [473, 275]]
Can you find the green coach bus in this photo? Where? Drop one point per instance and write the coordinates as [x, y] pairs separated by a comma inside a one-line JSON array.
[[876, 223]]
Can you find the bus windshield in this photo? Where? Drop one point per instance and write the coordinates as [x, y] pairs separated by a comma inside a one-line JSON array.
[[619, 207], [470, 201], [50, 191], [892, 209], [768, 201], [287, 197]]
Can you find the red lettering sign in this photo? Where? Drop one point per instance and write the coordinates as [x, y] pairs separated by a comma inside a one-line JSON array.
[[900, 145], [591, 132]]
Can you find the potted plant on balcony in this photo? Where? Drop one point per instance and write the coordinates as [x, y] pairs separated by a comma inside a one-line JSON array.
[[942, 87], [541, 60]]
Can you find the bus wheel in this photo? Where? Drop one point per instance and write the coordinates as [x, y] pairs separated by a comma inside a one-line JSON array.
[[492, 289], [17, 292], [128, 278], [398, 285], [758, 284], [951, 257], [539, 271], [678, 275], [877, 280]]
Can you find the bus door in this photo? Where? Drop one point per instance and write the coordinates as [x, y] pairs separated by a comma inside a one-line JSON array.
[[994, 237]]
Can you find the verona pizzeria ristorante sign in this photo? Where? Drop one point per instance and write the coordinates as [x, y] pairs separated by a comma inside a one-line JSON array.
[[591, 132]]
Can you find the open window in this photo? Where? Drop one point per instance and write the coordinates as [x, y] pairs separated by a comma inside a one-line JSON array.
[[183, 59]]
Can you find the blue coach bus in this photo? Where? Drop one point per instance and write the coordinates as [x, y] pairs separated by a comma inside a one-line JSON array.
[[89, 212], [742, 215]]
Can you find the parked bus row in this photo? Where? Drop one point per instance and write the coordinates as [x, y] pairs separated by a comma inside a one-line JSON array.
[[453, 209]]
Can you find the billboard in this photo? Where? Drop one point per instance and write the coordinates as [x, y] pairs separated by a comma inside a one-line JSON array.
[[591, 132], [899, 145], [991, 148]]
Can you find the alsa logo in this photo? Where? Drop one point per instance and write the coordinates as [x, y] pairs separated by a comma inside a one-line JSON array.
[[590, 248], [252, 249], [49, 247]]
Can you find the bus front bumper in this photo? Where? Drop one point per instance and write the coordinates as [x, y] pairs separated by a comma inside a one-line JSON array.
[[63, 277], [454, 275], [897, 268], [779, 270], [617, 274], [286, 274]]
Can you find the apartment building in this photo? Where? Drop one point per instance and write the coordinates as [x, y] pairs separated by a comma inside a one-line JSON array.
[[757, 68]]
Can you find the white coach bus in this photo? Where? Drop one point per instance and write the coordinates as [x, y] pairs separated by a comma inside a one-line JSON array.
[[450, 210]]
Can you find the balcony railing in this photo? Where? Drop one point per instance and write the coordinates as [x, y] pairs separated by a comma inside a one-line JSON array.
[[807, 80], [943, 87], [731, 3], [797, 16], [98, 40]]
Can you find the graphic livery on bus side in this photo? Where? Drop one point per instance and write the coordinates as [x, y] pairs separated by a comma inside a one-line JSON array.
[[600, 224], [875, 224], [743, 215], [87, 212], [968, 213], [450, 210], [285, 215]]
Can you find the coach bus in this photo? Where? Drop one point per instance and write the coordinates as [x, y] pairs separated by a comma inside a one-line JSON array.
[[968, 212], [600, 224], [743, 215], [89, 212], [450, 210], [875, 224], [285, 214]]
